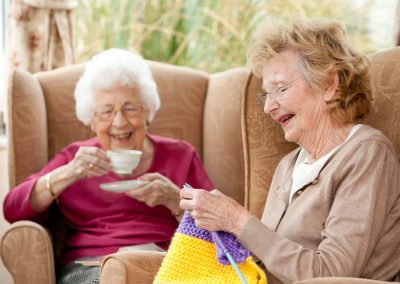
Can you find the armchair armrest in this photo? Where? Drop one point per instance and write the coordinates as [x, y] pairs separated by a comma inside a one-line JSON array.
[[131, 267], [27, 253], [340, 280]]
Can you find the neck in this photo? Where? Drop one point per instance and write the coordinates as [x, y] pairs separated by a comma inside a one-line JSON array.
[[148, 150], [326, 137], [146, 159]]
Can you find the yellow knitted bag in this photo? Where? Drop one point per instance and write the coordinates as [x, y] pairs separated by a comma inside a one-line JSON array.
[[197, 256]]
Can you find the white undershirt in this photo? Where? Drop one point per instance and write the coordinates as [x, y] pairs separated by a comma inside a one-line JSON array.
[[304, 173]]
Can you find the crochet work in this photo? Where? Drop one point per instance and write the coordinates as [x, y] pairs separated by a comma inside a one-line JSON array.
[[197, 256]]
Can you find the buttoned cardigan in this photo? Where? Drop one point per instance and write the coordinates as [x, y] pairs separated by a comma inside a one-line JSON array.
[[346, 222]]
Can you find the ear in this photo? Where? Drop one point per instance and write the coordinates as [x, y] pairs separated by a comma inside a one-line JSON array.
[[146, 116], [331, 91], [93, 125]]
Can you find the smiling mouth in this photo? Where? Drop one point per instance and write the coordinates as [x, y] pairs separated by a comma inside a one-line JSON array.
[[284, 118], [122, 137]]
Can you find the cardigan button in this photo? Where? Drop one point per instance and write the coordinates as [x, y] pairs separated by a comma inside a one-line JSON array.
[[314, 181]]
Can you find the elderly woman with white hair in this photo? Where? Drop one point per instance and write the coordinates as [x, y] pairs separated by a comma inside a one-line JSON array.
[[118, 98]]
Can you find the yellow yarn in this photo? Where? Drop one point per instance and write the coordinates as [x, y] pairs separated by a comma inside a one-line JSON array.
[[192, 260]]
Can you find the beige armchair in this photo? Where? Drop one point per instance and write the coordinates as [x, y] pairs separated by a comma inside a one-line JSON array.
[[264, 147], [201, 108], [207, 110]]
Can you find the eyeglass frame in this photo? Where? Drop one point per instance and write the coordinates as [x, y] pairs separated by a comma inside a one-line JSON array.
[[262, 97], [123, 110]]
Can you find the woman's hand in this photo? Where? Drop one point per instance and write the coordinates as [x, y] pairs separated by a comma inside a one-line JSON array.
[[89, 162], [214, 211], [158, 190]]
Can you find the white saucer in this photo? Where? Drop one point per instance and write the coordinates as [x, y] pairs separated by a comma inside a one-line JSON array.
[[123, 172], [122, 186]]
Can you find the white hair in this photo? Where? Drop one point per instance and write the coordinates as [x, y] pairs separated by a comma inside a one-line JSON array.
[[110, 67]]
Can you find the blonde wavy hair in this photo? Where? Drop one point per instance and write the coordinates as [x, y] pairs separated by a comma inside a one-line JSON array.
[[324, 50]]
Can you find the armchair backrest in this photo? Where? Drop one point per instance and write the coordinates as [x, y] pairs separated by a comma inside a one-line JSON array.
[[200, 108], [264, 143]]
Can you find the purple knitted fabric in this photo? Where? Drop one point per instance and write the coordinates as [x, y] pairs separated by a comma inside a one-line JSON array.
[[221, 239]]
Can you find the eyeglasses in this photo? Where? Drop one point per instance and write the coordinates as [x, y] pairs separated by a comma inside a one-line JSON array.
[[128, 111], [276, 94]]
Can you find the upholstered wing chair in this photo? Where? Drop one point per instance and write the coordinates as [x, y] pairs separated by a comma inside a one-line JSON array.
[[264, 144], [264, 147], [203, 109]]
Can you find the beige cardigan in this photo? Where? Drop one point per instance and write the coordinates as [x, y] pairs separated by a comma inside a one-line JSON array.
[[344, 223]]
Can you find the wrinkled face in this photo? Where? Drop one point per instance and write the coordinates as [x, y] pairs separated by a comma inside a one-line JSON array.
[[290, 100], [120, 118]]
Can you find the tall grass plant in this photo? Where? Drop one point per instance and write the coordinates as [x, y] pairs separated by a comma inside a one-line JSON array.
[[205, 34]]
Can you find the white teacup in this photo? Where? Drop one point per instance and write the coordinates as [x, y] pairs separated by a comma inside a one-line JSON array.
[[124, 162]]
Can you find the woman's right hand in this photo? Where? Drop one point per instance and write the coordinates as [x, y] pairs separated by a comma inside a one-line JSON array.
[[214, 211], [89, 162]]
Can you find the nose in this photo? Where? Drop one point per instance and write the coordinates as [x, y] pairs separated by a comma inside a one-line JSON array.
[[270, 105], [119, 120]]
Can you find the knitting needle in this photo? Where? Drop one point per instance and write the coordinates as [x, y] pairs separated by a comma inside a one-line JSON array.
[[228, 255]]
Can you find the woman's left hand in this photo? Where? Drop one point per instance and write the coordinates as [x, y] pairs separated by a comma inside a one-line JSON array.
[[214, 211], [158, 190]]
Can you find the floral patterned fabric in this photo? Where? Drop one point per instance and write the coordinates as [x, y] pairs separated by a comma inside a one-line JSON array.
[[40, 34]]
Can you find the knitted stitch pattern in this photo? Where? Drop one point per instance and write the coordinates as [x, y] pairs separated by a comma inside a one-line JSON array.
[[194, 257]]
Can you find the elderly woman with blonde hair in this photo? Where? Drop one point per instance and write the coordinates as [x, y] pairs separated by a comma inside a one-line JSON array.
[[333, 207], [117, 96]]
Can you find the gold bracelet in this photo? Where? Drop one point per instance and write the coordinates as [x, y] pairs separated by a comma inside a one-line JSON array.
[[49, 187]]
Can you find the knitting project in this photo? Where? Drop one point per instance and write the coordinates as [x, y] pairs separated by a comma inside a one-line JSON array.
[[198, 256]]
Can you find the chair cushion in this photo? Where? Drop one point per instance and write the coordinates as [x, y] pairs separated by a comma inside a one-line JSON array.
[[29, 243], [183, 93], [27, 127], [223, 145], [131, 267], [385, 114], [58, 89]]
